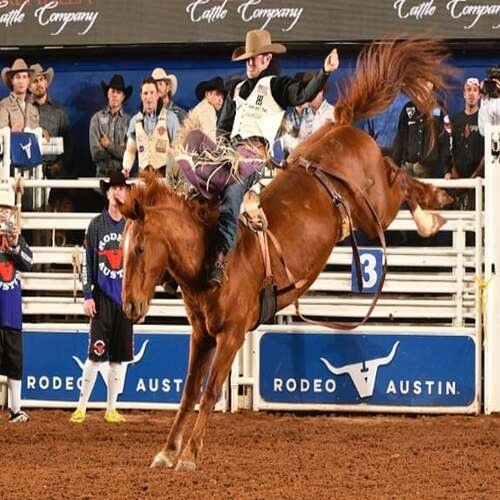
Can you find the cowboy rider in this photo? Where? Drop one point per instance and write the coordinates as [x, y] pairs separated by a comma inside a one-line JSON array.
[[252, 115]]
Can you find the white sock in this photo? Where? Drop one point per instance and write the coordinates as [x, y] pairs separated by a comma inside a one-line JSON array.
[[14, 394], [89, 375], [116, 381]]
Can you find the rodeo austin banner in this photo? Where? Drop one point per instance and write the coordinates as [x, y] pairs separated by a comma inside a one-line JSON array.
[[115, 22]]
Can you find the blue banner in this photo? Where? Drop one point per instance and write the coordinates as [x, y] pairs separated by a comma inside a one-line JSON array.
[[53, 364], [373, 369]]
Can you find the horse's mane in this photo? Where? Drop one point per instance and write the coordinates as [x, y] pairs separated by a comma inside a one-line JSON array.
[[153, 192], [384, 69]]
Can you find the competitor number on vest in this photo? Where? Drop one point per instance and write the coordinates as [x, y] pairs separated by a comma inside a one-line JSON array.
[[371, 270]]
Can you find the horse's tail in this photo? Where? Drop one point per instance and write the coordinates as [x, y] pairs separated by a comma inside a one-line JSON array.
[[386, 68]]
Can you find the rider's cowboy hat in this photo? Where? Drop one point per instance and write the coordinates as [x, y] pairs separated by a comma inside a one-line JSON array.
[[18, 66], [115, 179], [161, 74], [7, 197], [257, 42], [38, 70], [118, 83], [216, 83]]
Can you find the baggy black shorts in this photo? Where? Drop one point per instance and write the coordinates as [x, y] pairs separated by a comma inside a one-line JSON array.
[[111, 335], [11, 353]]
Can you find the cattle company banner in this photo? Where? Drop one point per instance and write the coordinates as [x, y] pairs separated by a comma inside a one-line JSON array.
[[115, 22]]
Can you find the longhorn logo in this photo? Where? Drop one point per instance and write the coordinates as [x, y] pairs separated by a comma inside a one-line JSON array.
[[104, 367], [113, 257], [27, 148], [364, 373]]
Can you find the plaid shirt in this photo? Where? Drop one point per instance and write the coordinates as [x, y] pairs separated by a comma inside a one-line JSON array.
[[54, 119], [115, 127]]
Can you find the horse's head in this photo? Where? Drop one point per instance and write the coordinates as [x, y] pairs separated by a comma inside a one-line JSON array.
[[144, 260], [144, 248]]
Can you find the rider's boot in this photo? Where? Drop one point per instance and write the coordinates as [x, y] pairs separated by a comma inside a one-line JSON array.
[[216, 274]]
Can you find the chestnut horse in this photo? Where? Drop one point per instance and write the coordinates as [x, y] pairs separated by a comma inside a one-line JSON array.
[[167, 233]]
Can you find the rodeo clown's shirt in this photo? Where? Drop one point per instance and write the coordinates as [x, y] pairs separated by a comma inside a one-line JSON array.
[[103, 262], [12, 262]]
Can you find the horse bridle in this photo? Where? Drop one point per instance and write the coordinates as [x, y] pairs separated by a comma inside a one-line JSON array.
[[323, 175]]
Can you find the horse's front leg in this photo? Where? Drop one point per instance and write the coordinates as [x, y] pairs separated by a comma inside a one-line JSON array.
[[226, 349], [200, 349]]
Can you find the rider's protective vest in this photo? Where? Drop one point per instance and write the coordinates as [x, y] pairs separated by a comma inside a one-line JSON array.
[[152, 149], [259, 115]]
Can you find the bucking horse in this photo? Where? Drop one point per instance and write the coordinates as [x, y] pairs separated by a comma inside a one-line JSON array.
[[167, 233]]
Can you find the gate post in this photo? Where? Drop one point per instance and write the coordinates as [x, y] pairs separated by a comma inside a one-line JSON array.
[[492, 270]]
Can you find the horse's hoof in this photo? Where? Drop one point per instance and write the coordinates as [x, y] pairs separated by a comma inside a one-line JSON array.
[[185, 465], [162, 460]]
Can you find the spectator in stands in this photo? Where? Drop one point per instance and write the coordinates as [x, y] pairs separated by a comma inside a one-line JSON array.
[[468, 144], [252, 116], [15, 256], [167, 87], [151, 131], [110, 330], [316, 112], [16, 111], [411, 146], [54, 122], [210, 94], [108, 128], [383, 127]]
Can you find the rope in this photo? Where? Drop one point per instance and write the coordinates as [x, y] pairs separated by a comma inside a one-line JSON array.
[[77, 269], [483, 297]]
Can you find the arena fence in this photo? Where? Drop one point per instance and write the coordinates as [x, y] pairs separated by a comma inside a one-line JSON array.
[[421, 350]]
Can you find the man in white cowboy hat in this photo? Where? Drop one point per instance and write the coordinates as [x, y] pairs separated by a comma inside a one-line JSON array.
[[151, 132], [53, 120], [108, 128], [15, 256], [167, 87], [16, 111], [252, 115]]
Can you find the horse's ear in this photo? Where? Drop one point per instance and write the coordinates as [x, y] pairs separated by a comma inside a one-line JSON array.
[[131, 209]]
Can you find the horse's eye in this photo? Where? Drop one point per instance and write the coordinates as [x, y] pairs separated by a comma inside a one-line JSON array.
[[139, 249]]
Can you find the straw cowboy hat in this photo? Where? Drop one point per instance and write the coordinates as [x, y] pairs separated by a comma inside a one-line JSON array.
[[115, 179], [216, 83], [18, 66], [161, 74], [38, 70], [118, 83], [7, 197], [257, 42]]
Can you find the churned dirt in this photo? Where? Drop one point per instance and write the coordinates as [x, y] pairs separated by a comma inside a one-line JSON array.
[[253, 455]]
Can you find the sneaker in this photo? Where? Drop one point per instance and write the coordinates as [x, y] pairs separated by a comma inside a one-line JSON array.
[[114, 417], [18, 417], [78, 416]]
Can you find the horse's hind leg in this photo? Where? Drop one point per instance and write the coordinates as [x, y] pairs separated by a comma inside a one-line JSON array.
[[227, 346], [200, 348]]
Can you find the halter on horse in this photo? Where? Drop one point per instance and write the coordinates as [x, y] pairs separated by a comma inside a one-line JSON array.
[[166, 233]]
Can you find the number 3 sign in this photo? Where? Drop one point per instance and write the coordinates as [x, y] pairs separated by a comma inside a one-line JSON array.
[[371, 270]]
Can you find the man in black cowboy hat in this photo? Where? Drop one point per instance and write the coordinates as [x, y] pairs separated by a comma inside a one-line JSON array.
[[110, 329], [252, 115], [211, 95], [108, 128]]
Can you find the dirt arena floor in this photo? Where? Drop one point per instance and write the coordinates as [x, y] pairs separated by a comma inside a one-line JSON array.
[[254, 455]]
